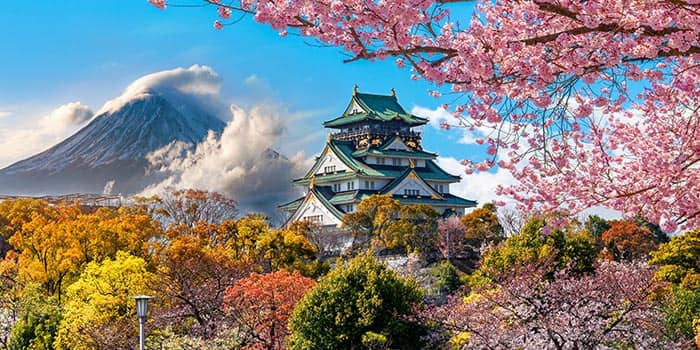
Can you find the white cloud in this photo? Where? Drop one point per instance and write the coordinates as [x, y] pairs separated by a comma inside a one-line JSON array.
[[70, 114], [20, 142], [240, 163], [4, 114], [478, 186], [436, 116], [199, 82], [252, 80]]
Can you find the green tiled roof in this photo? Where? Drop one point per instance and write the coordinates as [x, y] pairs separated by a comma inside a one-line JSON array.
[[449, 200], [291, 206], [351, 196], [321, 179], [395, 153], [430, 172], [381, 108]]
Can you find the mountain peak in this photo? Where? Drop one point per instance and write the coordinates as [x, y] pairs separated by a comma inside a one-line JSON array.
[[116, 139]]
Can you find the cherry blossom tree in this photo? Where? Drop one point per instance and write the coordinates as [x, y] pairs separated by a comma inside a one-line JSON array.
[[585, 102], [611, 308]]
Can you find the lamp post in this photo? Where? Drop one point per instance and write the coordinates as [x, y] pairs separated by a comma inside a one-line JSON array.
[[142, 311]]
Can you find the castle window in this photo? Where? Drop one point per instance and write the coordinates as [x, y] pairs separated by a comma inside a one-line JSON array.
[[329, 169], [366, 184], [371, 184], [380, 161], [336, 187], [314, 218], [351, 185], [411, 192], [396, 161]]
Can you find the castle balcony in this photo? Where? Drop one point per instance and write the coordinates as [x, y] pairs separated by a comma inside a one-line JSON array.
[[366, 137]]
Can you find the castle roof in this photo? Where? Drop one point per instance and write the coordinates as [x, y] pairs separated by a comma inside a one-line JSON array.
[[345, 153], [370, 107]]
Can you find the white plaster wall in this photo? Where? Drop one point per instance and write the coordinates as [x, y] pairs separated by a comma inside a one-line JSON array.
[[330, 159]]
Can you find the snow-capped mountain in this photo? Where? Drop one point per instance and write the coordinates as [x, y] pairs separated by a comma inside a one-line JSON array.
[[112, 147]]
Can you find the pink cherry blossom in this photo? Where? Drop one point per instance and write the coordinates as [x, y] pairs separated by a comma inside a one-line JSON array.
[[224, 12], [615, 83], [158, 3]]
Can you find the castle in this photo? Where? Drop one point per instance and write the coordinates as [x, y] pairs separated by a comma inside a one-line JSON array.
[[375, 148]]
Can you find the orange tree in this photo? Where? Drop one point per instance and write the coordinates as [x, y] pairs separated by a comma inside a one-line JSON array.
[[626, 240], [260, 306]]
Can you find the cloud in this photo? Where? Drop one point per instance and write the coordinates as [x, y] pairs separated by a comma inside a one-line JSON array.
[[200, 83], [20, 142], [70, 114], [252, 80], [435, 116], [240, 163], [478, 186], [4, 114]]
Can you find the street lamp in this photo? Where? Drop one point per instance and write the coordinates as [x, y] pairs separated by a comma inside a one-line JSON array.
[[142, 311]]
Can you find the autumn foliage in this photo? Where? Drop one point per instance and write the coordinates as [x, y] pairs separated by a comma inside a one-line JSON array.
[[262, 304], [626, 240], [68, 275]]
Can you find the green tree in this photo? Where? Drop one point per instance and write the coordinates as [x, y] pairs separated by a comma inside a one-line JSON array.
[[381, 222], [288, 248], [375, 222], [679, 264], [37, 327], [538, 243], [481, 225], [595, 226], [362, 300]]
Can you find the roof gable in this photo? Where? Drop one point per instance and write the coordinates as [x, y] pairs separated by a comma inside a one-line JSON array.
[[315, 203], [410, 180]]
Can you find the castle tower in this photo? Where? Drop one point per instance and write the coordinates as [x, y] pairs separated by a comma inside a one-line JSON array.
[[375, 148]]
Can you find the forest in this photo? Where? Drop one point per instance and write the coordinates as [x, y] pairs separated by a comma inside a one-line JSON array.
[[220, 280]]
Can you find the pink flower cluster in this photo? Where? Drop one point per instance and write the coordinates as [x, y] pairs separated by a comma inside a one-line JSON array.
[[589, 102]]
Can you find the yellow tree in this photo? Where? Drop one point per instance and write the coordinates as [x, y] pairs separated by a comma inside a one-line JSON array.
[[98, 312], [55, 242]]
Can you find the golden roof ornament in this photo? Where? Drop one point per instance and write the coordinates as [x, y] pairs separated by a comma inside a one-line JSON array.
[[393, 92], [312, 183], [411, 164], [354, 90]]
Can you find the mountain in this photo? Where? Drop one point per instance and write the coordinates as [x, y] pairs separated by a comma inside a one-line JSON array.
[[112, 147]]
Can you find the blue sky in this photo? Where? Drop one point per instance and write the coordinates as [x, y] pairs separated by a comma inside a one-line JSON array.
[[55, 52]]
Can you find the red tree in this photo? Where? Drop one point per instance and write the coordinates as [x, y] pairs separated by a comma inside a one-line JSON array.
[[262, 304], [585, 102], [625, 240]]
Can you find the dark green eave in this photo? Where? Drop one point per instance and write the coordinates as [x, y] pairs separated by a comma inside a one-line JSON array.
[[449, 200], [431, 172], [291, 206], [381, 108], [351, 196], [394, 153]]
